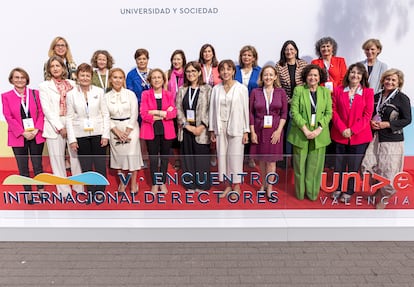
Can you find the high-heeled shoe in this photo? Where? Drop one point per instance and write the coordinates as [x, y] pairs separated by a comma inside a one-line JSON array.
[[154, 189], [134, 189], [121, 187], [269, 191], [164, 188], [225, 192], [99, 199], [237, 190]]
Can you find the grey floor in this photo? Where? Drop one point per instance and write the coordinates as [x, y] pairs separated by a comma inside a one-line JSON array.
[[207, 264]]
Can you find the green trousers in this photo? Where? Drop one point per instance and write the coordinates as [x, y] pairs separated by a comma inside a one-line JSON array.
[[308, 164]]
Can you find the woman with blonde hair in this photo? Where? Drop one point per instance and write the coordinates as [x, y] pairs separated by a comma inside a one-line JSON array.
[[125, 147], [268, 113], [60, 47], [385, 154]]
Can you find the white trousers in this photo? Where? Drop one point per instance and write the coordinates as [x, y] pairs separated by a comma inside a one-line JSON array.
[[56, 148], [230, 151]]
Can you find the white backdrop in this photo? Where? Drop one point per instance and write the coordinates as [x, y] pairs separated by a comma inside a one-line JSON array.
[[29, 26]]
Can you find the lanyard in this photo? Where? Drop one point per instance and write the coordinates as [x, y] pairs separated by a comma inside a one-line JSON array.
[[268, 101], [312, 102], [327, 66], [191, 97], [144, 80], [207, 74], [380, 104], [86, 100], [25, 104], [106, 79]]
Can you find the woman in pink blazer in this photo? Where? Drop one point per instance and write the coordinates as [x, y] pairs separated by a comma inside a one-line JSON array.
[[353, 104], [25, 119], [158, 112]]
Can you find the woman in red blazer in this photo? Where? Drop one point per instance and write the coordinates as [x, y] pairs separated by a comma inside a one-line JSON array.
[[334, 66], [25, 119], [353, 104], [158, 112]]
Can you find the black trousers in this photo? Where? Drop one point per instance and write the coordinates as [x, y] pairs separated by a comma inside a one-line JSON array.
[[196, 161], [159, 148], [348, 158], [34, 151], [92, 157]]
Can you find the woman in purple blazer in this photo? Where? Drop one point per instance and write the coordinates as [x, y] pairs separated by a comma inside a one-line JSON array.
[[158, 112], [268, 113], [25, 119]]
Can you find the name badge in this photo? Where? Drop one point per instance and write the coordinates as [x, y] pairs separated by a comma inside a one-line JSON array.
[[87, 125], [377, 118], [28, 124], [191, 116], [313, 120], [329, 85], [267, 121]]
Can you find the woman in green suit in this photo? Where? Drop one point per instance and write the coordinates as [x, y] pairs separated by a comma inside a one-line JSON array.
[[311, 111]]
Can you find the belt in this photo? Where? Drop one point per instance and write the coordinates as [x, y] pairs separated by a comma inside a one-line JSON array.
[[123, 119]]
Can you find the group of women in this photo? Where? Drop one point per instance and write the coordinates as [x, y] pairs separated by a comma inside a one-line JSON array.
[[205, 106]]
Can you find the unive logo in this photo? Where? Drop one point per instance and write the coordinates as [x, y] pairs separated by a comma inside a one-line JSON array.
[[86, 178]]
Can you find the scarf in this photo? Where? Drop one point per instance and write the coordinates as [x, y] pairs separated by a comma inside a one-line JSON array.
[[176, 81], [63, 87]]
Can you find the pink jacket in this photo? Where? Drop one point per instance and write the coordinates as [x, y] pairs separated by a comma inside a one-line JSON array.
[[148, 102], [215, 74], [11, 111], [357, 117]]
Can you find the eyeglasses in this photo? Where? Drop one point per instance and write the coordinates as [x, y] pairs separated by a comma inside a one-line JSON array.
[[191, 71], [60, 45]]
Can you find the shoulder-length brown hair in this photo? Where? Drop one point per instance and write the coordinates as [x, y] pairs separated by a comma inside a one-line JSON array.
[[196, 65], [361, 68], [109, 60], [214, 61], [61, 62]]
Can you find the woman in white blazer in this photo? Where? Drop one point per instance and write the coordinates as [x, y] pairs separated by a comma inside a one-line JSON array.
[[87, 124], [52, 93], [229, 126]]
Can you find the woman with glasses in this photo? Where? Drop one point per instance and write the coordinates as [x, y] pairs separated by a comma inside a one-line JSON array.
[[60, 47], [24, 115], [193, 101]]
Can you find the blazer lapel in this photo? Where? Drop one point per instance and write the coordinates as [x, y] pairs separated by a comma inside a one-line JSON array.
[[306, 100], [320, 103]]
